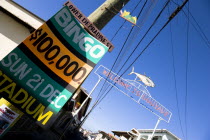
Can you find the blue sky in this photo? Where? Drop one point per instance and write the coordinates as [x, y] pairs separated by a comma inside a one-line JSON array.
[[117, 111]]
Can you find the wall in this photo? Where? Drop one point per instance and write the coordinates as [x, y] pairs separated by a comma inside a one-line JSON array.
[[168, 137], [100, 137], [161, 136], [14, 20], [11, 34], [122, 138]]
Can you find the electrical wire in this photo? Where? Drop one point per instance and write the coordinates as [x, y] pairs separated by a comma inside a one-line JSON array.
[[124, 44], [186, 78], [104, 81], [207, 40], [148, 11], [129, 36], [143, 38], [154, 22], [142, 50], [146, 32], [199, 30], [175, 83], [171, 17], [175, 2], [179, 8], [99, 97], [201, 33], [100, 92], [136, 32], [121, 48]]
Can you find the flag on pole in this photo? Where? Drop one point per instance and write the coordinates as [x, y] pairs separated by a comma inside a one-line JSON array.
[[126, 15]]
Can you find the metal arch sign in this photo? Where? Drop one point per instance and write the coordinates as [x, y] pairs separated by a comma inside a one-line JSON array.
[[138, 95], [43, 72]]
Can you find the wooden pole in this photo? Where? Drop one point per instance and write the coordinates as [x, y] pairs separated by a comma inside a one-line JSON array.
[[103, 14]]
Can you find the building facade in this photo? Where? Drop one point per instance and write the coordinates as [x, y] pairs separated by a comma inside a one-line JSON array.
[[101, 135], [145, 134], [15, 25]]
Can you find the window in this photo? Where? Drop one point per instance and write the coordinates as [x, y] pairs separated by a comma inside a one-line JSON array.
[[71, 105], [155, 138], [144, 137]]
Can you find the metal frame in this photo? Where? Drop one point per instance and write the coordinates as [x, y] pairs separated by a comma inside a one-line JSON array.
[[140, 96]]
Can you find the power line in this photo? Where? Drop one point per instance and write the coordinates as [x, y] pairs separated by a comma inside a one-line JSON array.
[[175, 83], [200, 29], [124, 20], [124, 42], [187, 65], [131, 38], [134, 35], [144, 48], [99, 95], [206, 41], [147, 31], [139, 43], [129, 35], [154, 22], [99, 99], [201, 33], [170, 18]]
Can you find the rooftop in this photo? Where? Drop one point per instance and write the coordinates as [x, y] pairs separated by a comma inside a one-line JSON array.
[[21, 14], [126, 134]]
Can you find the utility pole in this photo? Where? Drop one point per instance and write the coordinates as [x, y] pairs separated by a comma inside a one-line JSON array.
[[100, 17], [103, 14]]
